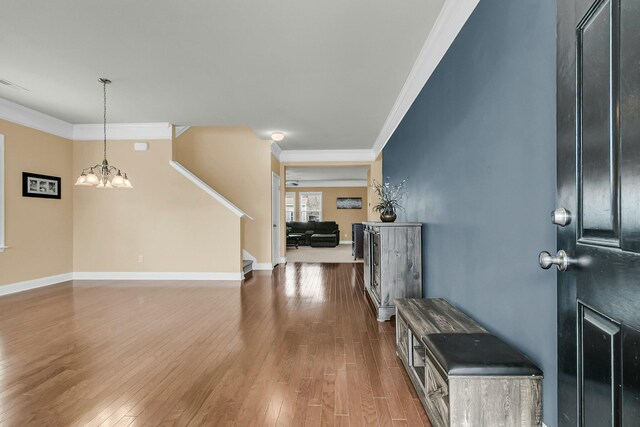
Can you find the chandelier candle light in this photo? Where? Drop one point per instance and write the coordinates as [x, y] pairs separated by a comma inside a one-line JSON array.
[[104, 175]]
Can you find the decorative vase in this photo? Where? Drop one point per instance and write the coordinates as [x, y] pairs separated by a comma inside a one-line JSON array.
[[388, 216]]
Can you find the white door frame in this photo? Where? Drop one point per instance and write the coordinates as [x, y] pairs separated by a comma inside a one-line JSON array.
[[275, 219], [2, 241]]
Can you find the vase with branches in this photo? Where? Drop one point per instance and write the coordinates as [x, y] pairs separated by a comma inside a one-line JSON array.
[[390, 196]]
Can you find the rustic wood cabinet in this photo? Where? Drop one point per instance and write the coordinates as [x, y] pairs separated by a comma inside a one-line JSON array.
[[464, 375], [357, 237], [392, 264]]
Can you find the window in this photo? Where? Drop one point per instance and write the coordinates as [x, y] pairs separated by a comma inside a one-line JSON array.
[[311, 207], [290, 207], [2, 247]]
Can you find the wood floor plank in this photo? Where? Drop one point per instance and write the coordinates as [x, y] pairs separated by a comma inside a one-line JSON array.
[[314, 415], [406, 398], [383, 411], [369, 411], [328, 400], [296, 346], [341, 393], [372, 366]]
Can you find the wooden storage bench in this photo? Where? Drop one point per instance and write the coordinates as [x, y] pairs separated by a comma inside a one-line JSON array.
[[463, 375]]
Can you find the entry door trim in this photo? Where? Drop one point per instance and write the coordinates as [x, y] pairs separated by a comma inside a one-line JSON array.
[[275, 219]]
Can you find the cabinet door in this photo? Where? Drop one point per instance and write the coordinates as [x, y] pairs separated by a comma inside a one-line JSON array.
[[402, 339], [367, 258], [376, 266]]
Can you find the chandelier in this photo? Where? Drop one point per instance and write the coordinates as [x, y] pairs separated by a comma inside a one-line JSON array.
[[104, 175]]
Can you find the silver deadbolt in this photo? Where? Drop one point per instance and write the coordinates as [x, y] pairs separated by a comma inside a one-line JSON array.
[[561, 217], [561, 260]]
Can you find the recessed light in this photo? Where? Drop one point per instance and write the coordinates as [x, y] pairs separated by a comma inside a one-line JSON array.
[[277, 136]]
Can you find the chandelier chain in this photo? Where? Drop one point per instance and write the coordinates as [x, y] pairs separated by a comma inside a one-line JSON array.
[[104, 121]]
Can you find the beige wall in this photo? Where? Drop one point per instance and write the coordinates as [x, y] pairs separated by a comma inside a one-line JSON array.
[[375, 173], [237, 164], [38, 231], [275, 165], [166, 219], [344, 217]]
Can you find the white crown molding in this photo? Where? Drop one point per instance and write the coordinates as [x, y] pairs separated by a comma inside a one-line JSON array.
[[276, 150], [329, 183], [16, 113], [35, 283], [314, 156], [135, 275], [123, 131], [207, 189], [181, 129], [450, 21]]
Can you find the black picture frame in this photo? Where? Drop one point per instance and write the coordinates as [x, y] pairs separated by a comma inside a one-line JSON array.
[[349, 202], [41, 186]]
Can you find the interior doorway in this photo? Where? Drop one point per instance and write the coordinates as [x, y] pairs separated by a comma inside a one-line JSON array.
[[323, 207]]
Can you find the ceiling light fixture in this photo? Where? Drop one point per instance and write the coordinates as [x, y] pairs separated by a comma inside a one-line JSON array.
[[277, 136], [104, 175]]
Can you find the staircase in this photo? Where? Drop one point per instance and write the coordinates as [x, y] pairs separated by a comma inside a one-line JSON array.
[[247, 269], [247, 265]]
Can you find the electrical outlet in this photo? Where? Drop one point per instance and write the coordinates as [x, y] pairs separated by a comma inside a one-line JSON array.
[[140, 259]]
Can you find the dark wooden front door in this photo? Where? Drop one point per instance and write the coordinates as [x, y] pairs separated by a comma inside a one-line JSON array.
[[598, 66]]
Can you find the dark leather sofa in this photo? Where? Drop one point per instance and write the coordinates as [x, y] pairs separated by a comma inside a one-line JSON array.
[[320, 228]]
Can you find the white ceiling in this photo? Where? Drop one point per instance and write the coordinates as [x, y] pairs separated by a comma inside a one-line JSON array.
[[326, 73], [337, 173]]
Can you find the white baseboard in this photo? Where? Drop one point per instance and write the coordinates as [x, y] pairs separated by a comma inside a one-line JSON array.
[[35, 283], [346, 242], [262, 266], [135, 275], [84, 275]]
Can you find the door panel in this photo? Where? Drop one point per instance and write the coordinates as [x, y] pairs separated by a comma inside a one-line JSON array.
[[630, 125], [599, 182], [600, 369], [631, 374], [597, 135]]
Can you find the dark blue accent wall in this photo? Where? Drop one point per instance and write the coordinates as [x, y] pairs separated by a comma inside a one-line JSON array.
[[478, 150]]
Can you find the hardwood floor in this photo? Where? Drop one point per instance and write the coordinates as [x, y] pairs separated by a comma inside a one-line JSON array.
[[300, 347]]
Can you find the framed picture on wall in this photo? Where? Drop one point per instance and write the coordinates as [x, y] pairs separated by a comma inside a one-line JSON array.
[[349, 202], [42, 186]]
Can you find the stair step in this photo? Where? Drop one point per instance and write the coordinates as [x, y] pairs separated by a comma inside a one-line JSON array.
[[247, 268]]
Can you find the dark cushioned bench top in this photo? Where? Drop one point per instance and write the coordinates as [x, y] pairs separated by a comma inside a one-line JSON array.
[[478, 354], [323, 236]]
